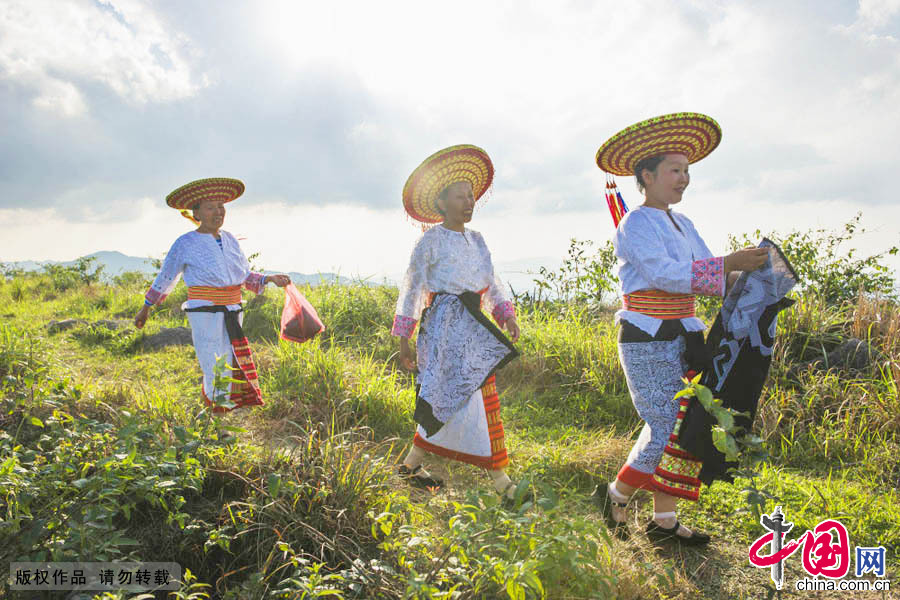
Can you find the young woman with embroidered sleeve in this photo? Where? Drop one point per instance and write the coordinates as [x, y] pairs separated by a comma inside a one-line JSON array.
[[663, 264]]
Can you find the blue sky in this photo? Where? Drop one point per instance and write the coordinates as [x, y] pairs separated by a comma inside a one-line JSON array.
[[323, 109]]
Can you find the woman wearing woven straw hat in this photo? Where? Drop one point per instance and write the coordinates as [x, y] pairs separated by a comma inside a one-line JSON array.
[[449, 280], [663, 265], [215, 269]]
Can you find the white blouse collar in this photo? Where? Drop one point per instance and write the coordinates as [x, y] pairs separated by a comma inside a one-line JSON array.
[[448, 230]]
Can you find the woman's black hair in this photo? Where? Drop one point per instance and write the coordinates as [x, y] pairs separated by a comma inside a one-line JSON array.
[[650, 163]]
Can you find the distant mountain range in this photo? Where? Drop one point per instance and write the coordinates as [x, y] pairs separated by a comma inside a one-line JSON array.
[[515, 274], [115, 263]]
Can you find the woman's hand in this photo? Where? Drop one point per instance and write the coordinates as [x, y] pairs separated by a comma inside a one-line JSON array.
[[141, 318], [280, 279], [407, 360], [730, 279], [748, 259], [513, 328]]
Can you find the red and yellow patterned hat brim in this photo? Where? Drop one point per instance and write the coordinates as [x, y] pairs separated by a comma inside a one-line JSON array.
[[692, 134], [450, 165], [215, 188]]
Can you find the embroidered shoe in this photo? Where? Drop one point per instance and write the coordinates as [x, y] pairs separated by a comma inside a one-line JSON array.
[[605, 504], [417, 478], [657, 532]]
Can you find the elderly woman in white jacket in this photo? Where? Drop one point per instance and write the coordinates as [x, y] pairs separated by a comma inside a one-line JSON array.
[[215, 270], [449, 280]]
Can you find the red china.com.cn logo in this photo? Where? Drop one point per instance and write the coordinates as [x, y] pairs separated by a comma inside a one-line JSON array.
[[826, 554]]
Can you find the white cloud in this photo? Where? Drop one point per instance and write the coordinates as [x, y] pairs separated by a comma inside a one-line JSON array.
[[56, 48], [540, 85], [874, 14], [59, 96]]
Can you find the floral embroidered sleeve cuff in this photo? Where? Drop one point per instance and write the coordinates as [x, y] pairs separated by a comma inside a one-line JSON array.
[[255, 282], [503, 312], [154, 297], [708, 276], [403, 326]]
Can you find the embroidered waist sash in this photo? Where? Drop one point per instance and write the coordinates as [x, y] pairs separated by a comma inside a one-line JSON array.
[[659, 304], [217, 295]]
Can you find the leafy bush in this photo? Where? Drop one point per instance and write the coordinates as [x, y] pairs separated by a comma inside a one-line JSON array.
[[18, 289], [489, 551], [131, 487], [827, 264], [72, 483], [19, 354], [85, 271], [584, 276], [10, 271], [131, 279]]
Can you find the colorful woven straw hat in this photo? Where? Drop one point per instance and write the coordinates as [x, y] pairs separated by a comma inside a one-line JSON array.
[[214, 188], [691, 134], [450, 165]]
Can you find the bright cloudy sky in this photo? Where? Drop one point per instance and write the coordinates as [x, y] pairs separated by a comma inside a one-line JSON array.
[[323, 109]]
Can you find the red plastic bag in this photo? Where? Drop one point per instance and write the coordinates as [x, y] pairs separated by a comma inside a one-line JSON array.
[[299, 321]]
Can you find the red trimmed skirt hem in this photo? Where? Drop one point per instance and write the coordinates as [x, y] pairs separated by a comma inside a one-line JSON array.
[[494, 462]]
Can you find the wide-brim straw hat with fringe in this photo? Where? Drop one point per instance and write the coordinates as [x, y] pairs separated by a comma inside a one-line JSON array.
[[215, 188], [450, 165], [693, 134]]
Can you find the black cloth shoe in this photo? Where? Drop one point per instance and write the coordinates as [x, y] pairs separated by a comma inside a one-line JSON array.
[[657, 532], [416, 478], [605, 504]]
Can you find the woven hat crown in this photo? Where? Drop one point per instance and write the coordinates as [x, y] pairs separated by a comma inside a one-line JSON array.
[[463, 162], [693, 134], [223, 189]]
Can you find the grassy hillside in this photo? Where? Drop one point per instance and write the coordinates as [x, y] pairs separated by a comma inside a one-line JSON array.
[[105, 454]]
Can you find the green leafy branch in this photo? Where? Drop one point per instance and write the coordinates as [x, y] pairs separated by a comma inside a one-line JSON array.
[[738, 444]]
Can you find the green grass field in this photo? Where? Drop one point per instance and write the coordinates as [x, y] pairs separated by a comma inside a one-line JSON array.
[[105, 454]]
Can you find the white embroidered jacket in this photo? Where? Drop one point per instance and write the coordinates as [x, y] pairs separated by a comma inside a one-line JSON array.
[[654, 254], [198, 257], [449, 261]]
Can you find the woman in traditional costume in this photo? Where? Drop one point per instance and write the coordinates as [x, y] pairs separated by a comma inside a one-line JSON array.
[[215, 270], [449, 280], [663, 263]]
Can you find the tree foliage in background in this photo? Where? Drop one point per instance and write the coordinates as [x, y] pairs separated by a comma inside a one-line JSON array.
[[86, 270], [584, 277], [10, 271], [828, 264]]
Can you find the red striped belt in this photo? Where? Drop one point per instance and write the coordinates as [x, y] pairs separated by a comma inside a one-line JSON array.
[[216, 295], [660, 304]]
